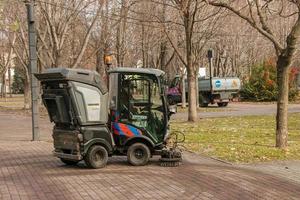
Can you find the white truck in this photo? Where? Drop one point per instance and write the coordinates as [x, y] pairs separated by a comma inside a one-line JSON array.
[[214, 90]]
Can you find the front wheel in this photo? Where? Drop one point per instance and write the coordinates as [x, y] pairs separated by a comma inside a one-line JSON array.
[[138, 154], [69, 162], [96, 157], [223, 104]]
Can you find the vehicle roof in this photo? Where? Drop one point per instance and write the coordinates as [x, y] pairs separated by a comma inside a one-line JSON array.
[[152, 71], [78, 75]]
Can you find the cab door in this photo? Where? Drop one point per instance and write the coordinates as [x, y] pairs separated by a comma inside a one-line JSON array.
[[139, 110]]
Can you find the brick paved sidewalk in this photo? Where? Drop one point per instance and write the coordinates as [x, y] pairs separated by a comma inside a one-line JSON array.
[[28, 171], [289, 170]]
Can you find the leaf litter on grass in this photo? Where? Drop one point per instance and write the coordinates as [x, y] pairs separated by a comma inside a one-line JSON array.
[[240, 139]]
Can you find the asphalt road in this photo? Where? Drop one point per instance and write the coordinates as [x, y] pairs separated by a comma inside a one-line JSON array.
[[238, 109]]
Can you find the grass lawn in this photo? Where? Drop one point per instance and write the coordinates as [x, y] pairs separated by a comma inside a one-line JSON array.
[[240, 139], [15, 102], [15, 105]]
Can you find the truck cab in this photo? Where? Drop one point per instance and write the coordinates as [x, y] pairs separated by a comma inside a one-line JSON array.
[[138, 106]]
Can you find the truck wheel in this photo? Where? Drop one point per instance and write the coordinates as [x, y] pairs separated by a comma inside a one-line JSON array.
[[220, 104], [138, 154], [69, 162], [204, 105], [96, 157], [223, 104]]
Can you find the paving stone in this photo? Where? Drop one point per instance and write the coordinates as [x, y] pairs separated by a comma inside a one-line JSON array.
[[29, 171]]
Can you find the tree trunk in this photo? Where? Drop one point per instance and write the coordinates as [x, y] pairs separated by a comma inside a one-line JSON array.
[[118, 46], [191, 73], [9, 82], [282, 102], [197, 89], [143, 45], [183, 92], [163, 55], [164, 42], [100, 67], [27, 98], [58, 60], [3, 89], [192, 98]]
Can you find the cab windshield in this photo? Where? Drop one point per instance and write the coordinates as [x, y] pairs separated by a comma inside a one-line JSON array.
[[141, 103]]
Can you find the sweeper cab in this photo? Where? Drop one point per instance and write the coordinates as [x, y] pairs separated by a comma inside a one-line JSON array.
[[93, 122]]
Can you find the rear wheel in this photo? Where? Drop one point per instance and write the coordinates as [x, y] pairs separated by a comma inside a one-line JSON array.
[[69, 162], [222, 104], [138, 154], [96, 157], [202, 101], [171, 100]]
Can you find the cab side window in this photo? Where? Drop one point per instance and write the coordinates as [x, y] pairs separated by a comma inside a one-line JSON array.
[[134, 100]]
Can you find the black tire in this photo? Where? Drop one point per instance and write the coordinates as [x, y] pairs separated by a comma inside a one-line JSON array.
[[202, 101], [138, 154], [204, 105], [96, 157], [69, 162], [223, 104], [170, 100], [220, 104]]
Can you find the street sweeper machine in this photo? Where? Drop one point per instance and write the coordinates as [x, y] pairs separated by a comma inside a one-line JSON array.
[[94, 119]]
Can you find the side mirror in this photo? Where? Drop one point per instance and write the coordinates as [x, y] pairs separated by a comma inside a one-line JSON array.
[[172, 109]]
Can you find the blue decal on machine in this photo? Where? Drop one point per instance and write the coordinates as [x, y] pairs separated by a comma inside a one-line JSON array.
[[218, 84]]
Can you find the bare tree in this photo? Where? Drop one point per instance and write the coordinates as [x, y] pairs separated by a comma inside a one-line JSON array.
[[101, 38], [257, 13], [15, 34], [191, 13], [20, 48], [6, 59], [57, 22]]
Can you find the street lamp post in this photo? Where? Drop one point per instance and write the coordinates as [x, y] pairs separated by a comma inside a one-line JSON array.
[[33, 69]]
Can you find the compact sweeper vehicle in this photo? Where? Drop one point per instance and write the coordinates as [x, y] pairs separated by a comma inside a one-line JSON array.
[[93, 122]]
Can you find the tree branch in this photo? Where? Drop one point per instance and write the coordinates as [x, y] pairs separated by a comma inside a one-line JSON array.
[[269, 36], [86, 39]]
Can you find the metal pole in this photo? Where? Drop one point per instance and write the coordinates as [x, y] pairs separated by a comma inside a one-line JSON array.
[[210, 56], [33, 70]]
